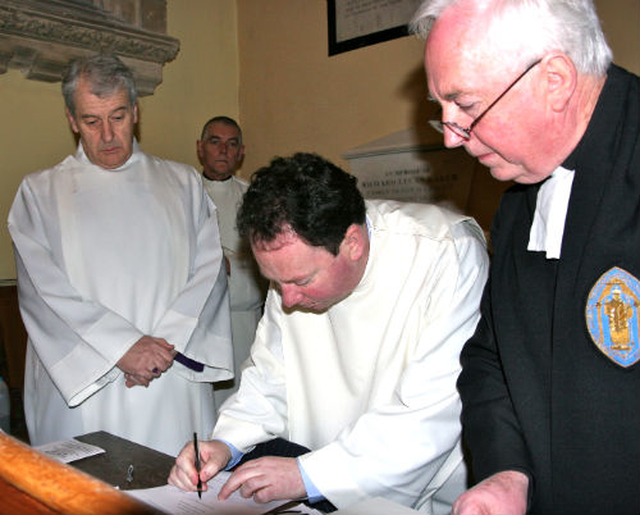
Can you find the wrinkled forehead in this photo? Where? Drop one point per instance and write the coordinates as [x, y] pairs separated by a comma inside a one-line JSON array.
[[222, 131], [86, 102], [449, 47], [472, 42], [460, 58]]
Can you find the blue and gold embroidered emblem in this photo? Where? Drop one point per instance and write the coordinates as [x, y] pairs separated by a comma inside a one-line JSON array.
[[612, 314]]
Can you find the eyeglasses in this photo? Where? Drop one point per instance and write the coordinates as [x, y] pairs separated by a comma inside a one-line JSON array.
[[466, 133]]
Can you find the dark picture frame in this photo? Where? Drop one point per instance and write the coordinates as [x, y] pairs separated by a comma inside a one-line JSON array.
[[371, 32]]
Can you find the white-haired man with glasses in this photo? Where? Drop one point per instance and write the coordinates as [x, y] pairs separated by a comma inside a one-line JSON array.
[[550, 379]]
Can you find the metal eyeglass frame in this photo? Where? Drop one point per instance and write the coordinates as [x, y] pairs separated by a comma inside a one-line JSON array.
[[439, 125]]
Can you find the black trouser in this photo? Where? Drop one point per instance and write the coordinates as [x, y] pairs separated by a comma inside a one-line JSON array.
[[285, 449]]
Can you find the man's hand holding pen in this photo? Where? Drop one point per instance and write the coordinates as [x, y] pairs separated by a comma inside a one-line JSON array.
[[264, 479], [214, 457]]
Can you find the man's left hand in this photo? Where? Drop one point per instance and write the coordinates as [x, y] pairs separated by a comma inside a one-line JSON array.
[[504, 493], [266, 479]]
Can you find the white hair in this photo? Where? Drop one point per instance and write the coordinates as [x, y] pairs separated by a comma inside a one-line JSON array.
[[534, 27]]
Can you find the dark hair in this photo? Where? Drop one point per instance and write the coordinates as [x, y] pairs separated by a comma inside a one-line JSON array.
[[314, 197], [104, 72], [225, 120]]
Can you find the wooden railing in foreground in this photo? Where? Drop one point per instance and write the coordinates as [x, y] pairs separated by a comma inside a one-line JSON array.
[[32, 483]]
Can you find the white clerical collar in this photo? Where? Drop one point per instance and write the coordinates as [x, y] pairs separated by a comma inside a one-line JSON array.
[[549, 218], [218, 186], [227, 179]]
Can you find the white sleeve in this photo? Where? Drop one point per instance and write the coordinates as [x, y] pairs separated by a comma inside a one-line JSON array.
[[77, 340], [257, 412], [198, 322], [397, 450]]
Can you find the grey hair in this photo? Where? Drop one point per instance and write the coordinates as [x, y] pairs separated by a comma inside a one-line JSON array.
[[427, 13], [571, 26], [104, 72], [224, 120]]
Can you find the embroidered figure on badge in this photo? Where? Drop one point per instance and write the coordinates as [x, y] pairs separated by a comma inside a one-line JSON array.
[[613, 316]]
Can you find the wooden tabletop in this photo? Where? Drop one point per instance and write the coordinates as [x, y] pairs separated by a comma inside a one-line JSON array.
[[150, 467]]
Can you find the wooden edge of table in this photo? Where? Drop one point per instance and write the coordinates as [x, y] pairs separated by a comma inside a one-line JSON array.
[[40, 481]]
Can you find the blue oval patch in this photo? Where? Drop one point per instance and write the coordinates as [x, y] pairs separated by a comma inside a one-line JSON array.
[[612, 316]]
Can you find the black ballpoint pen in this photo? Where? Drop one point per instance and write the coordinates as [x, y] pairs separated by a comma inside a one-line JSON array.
[[195, 447]]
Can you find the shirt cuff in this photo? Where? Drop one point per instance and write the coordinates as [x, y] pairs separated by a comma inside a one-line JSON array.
[[313, 494], [236, 455]]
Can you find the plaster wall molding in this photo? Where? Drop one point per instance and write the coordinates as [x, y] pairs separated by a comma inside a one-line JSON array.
[[40, 37]]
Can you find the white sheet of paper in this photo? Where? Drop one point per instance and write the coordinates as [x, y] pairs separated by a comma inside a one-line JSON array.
[[170, 499], [67, 451]]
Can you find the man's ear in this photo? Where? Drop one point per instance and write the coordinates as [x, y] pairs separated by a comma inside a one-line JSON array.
[[356, 241], [72, 121], [199, 151], [561, 81]]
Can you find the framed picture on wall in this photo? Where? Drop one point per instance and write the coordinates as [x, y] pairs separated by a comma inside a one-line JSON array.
[[358, 23]]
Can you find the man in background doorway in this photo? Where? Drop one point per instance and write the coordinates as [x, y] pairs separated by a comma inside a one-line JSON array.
[[220, 151]]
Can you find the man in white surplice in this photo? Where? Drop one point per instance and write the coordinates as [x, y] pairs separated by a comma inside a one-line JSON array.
[[120, 278], [220, 151], [356, 356]]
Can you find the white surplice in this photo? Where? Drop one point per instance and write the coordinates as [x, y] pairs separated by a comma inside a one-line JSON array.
[[370, 384], [104, 257], [247, 290]]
